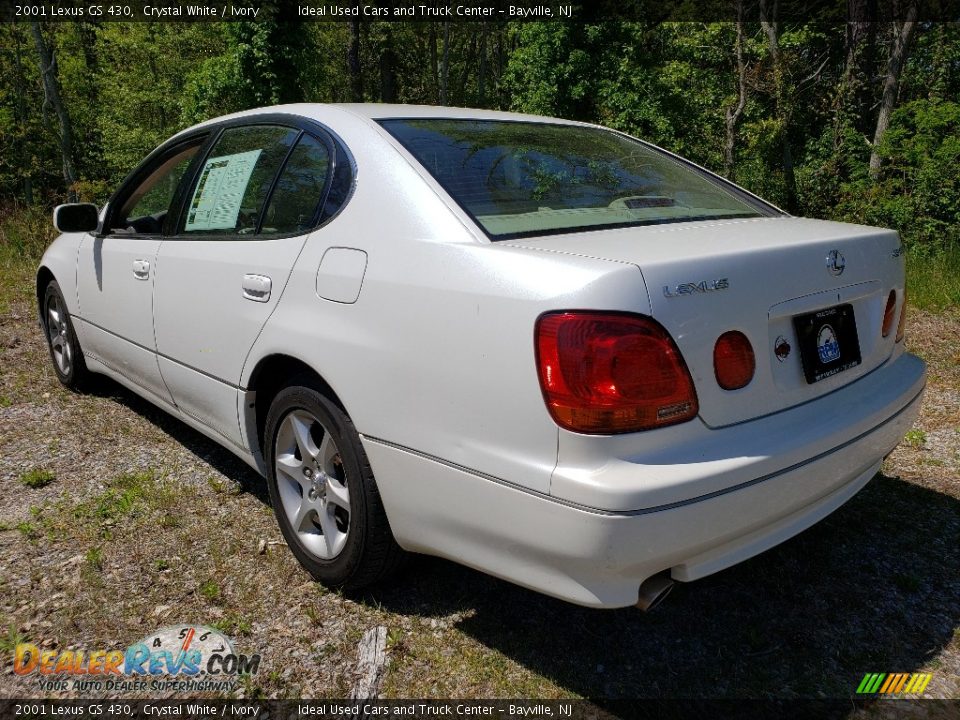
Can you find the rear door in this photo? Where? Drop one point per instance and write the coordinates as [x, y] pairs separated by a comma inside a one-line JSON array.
[[245, 219]]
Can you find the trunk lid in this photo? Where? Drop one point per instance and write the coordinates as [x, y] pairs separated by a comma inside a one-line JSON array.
[[756, 276]]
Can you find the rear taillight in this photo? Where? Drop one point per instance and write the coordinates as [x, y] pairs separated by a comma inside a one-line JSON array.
[[888, 313], [611, 373], [902, 325], [733, 360]]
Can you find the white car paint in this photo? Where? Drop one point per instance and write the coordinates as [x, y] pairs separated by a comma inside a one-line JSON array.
[[423, 328]]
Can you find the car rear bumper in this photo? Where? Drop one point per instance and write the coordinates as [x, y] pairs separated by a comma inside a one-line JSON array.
[[599, 557]]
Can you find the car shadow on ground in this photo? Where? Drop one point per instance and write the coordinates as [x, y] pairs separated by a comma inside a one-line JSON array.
[[875, 587], [221, 459]]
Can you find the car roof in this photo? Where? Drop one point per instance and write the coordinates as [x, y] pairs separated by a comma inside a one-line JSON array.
[[325, 112], [379, 111]]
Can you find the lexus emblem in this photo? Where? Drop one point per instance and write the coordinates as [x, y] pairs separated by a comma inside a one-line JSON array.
[[836, 262]]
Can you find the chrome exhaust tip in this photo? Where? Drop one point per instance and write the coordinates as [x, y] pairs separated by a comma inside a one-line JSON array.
[[653, 590]]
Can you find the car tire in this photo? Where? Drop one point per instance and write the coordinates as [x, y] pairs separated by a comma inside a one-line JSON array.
[[65, 353], [324, 494]]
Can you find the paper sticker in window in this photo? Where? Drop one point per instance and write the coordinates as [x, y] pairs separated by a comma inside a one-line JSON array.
[[219, 195]]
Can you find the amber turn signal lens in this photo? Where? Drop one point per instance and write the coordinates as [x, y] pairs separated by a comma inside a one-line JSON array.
[[733, 360], [888, 313]]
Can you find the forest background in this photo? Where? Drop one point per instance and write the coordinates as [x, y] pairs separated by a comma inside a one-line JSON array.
[[855, 121]]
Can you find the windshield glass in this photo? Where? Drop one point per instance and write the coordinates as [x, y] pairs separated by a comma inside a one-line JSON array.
[[519, 179]]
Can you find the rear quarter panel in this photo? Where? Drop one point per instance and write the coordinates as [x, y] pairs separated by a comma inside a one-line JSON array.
[[437, 353]]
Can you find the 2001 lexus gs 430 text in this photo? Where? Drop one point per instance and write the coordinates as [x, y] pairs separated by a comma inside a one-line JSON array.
[[541, 348]]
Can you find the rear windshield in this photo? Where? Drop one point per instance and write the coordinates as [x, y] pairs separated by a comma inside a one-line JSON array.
[[520, 179]]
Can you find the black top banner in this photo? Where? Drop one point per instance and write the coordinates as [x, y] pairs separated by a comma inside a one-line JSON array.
[[649, 11]]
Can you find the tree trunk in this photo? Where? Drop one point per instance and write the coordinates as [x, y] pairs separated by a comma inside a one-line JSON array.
[[51, 90], [353, 62], [445, 68], [388, 68], [891, 85], [20, 111], [768, 21], [849, 100], [482, 70], [734, 113], [434, 62]]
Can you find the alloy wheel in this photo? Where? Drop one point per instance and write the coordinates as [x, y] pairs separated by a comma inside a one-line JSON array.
[[312, 485]]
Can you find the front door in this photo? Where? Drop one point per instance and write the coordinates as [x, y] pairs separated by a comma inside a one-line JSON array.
[[116, 270]]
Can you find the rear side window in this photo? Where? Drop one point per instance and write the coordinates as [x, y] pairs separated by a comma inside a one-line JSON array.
[[294, 203], [236, 178], [520, 179]]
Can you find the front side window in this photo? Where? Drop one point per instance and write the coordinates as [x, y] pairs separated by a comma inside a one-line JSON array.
[[144, 209], [519, 179], [236, 178]]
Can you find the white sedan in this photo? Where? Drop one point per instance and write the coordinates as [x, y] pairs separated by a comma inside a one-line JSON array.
[[540, 348]]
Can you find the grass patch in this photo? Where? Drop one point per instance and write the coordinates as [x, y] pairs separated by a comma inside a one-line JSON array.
[[233, 624], [210, 590], [933, 283], [10, 639], [126, 497], [915, 438], [25, 233], [37, 478], [94, 558], [29, 530]]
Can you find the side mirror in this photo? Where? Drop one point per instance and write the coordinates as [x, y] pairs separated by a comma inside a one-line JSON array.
[[76, 217]]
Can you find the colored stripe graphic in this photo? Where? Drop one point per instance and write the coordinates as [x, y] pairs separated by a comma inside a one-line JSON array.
[[865, 684], [921, 682], [898, 685], [889, 681], [894, 683]]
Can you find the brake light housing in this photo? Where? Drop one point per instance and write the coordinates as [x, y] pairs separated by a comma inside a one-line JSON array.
[[611, 372], [734, 362], [902, 325], [888, 314]]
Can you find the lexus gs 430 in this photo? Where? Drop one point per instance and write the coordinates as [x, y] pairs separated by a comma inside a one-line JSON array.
[[540, 348]]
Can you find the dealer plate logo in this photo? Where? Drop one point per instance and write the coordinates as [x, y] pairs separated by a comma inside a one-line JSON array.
[[827, 346]]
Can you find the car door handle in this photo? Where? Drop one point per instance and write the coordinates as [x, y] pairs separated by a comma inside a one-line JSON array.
[[141, 269], [257, 287]]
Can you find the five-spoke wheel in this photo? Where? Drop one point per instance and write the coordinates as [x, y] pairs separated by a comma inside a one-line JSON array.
[[323, 490], [65, 351], [312, 485]]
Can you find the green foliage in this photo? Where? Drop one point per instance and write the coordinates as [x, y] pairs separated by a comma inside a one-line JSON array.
[[94, 559], [915, 438], [130, 86], [919, 191], [210, 590], [234, 624], [37, 478], [933, 282]]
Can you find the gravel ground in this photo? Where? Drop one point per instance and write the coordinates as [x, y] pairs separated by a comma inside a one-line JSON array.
[[116, 519]]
